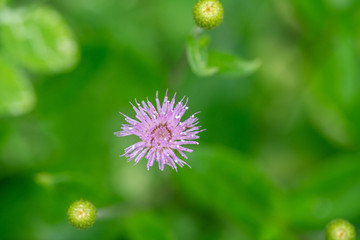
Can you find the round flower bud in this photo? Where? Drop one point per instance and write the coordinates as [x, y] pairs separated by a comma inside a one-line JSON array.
[[340, 229], [208, 14], [82, 214]]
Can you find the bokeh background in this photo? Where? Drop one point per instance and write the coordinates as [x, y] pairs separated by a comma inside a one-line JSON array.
[[279, 158]]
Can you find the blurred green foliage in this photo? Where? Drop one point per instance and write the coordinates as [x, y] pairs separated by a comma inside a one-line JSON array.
[[16, 92], [38, 39], [279, 158]]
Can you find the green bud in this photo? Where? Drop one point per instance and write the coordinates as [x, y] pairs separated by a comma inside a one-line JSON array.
[[340, 229], [208, 14], [82, 214]]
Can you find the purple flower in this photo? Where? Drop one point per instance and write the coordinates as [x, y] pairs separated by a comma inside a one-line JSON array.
[[161, 132]]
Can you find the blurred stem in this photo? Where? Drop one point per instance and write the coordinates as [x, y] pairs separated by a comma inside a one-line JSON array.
[[197, 31], [50, 180], [118, 211], [175, 78], [176, 74]]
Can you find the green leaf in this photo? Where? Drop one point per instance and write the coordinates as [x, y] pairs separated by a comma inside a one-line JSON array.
[[205, 64], [331, 190], [39, 38], [148, 225], [344, 68], [197, 57], [329, 120], [225, 183], [16, 93], [230, 64]]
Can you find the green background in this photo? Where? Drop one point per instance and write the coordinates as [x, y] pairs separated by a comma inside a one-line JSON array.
[[279, 159]]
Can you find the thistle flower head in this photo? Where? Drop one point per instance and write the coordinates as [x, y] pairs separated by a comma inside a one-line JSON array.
[[161, 132], [340, 229], [81, 214], [208, 14]]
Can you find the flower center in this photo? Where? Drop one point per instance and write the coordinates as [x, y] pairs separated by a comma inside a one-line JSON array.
[[341, 234], [81, 213], [160, 134], [208, 9]]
